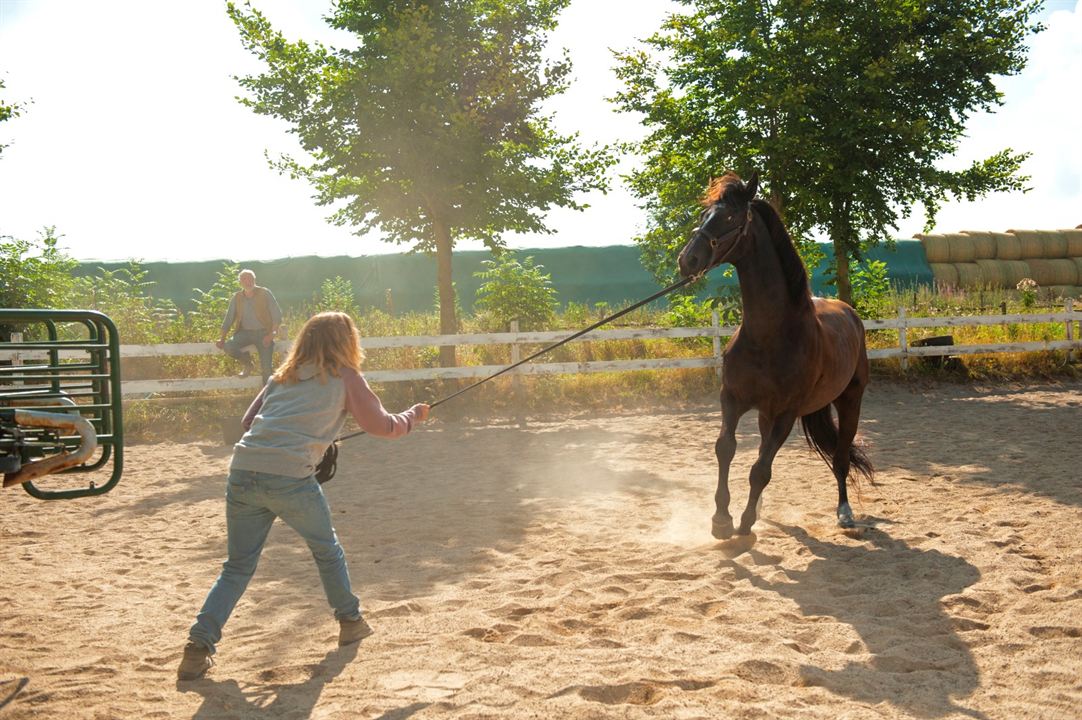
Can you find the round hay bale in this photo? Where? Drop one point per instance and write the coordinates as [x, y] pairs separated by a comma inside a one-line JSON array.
[[935, 247], [944, 274], [1074, 242], [1031, 243], [1078, 266], [1013, 271], [1055, 244], [961, 248], [1053, 272], [993, 273], [984, 245], [1007, 246], [969, 274]]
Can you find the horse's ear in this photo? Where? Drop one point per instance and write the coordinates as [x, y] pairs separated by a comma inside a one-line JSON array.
[[753, 185]]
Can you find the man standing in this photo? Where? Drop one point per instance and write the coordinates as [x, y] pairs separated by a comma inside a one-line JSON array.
[[254, 317]]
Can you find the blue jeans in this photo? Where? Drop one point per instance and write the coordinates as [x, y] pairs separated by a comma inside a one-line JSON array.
[[253, 500], [234, 347]]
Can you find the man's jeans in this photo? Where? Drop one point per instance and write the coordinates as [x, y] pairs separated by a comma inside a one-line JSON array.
[[253, 500], [234, 347]]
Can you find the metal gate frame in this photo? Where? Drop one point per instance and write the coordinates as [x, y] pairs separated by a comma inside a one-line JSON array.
[[89, 387]]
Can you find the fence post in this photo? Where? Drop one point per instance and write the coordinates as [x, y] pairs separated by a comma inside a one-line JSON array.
[[1069, 307], [903, 341], [516, 379], [715, 322]]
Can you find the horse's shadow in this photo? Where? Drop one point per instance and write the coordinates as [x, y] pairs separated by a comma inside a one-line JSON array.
[[918, 662], [226, 698]]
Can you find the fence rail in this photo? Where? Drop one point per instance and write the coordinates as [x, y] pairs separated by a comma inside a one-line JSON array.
[[902, 324]]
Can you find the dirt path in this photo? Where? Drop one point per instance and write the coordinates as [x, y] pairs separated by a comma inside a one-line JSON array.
[[566, 569]]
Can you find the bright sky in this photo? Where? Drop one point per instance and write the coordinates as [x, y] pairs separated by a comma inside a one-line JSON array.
[[133, 145]]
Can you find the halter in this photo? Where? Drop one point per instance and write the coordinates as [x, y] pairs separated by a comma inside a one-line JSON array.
[[744, 230]]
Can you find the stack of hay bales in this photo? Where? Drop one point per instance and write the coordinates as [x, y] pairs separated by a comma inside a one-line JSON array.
[[976, 258]]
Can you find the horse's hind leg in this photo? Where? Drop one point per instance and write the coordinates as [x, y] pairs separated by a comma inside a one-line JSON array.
[[721, 525], [848, 407], [773, 430]]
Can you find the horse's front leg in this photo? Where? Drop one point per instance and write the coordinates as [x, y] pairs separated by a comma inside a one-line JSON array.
[[721, 525], [773, 431]]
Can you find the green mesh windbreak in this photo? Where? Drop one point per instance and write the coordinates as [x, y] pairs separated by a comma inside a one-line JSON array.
[[588, 275]]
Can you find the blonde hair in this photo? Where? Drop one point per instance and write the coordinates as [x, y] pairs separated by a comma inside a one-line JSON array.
[[330, 341]]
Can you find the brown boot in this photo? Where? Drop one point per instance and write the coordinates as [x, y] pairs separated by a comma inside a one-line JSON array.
[[195, 663], [351, 631]]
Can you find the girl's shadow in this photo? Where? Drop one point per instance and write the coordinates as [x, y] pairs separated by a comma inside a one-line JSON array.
[[891, 595]]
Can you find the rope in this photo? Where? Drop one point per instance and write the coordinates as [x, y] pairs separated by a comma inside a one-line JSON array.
[[569, 338]]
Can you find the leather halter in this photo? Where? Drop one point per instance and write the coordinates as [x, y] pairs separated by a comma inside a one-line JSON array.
[[743, 229]]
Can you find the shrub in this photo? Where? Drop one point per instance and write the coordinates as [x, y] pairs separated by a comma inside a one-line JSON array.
[[516, 289]]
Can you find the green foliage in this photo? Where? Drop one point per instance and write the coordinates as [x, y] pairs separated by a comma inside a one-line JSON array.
[[34, 273], [516, 289], [430, 128], [7, 112], [211, 305], [870, 289], [686, 311], [125, 295], [336, 294], [846, 108]]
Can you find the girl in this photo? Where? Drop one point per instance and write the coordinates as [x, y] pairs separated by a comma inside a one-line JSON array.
[[288, 427]]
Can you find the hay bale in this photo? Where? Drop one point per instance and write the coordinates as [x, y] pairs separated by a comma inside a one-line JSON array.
[[1055, 244], [1064, 291], [1078, 266], [1007, 246], [944, 274], [1053, 272], [1031, 243], [969, 275], [1013, 271], [935, 247], [1074, 242], [984, 245], [993, 273], [961, 248]]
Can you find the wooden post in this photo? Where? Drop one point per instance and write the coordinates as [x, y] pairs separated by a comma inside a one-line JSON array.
[[516, 379], [1069, 307], [902, 340], [16, 358], [715, 322]]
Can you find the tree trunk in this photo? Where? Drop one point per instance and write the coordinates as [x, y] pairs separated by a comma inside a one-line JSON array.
[[448, 322], [841, 271]]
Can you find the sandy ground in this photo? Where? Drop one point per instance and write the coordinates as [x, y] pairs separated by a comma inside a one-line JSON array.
[[565, 569]]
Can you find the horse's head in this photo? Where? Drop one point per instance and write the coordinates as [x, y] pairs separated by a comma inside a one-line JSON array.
[[724, 224]]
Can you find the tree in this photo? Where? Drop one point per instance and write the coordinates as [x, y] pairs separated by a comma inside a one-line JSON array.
[[430, 130], [846, 108], [7, 112]]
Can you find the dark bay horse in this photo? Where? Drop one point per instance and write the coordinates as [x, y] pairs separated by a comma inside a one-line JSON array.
[[792, 357]]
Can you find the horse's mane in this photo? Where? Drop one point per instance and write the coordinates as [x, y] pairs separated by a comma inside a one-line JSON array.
[[792, 267]]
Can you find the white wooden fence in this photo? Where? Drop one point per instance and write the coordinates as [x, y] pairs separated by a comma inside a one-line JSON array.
[[903, 351]]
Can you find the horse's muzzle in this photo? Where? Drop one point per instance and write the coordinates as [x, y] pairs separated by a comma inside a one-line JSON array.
[[692, 259]]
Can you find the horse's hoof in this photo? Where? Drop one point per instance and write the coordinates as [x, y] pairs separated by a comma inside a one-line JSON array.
[[721, 529], [845, 516]]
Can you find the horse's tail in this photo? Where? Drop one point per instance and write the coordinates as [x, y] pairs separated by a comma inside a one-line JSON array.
[[821, 432]]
